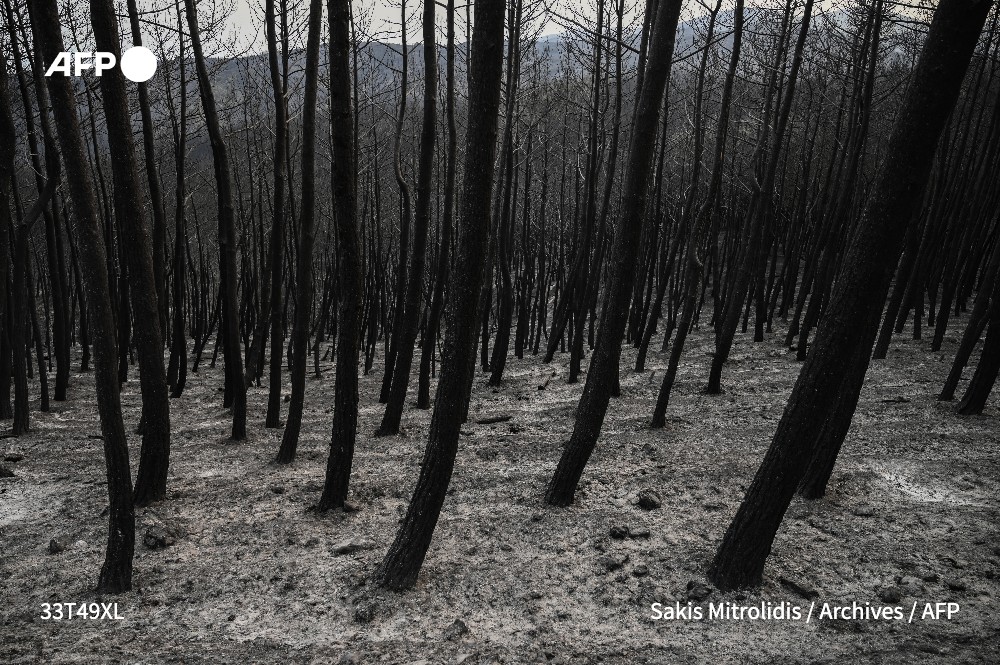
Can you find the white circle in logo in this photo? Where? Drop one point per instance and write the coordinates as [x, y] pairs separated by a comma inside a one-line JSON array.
[[138, 64]]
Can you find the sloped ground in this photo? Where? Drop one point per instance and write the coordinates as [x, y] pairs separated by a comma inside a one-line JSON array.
[[254, 576]]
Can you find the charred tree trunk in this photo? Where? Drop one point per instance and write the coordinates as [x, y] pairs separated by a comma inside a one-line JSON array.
[[229, 325], [447, 221], [848, 330], [402, 563], [989, 363], [695, 258], [601, 378], [344, 183], [410, 313], [307, 234], [116, 573], [392, 345], [177, 366], [274, 300], [151, 483], [159, 235]]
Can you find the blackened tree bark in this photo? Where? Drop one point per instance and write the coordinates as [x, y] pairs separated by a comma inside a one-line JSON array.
[[230, 328], [601, 379], [847, 333], [344, 184], [447, 220], [981, 385], [274, 300], [53, 237], [421, 220], [505, 206], [177, 365], [978, 320], [7, 142], [159, 236], [402, 562], [154, 457], [695, 257], [14, 260], [22, 305], [760, 211], [392, 346], [307, 235], [116, 573]]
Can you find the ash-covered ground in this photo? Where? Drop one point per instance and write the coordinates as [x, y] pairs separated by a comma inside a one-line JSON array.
[[234, 567]]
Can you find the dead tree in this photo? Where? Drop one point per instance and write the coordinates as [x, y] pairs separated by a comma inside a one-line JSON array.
[[307, 236], [11, 291], [273, 296], [410, 313], [766, 159], [177, 365], [847, 332], [159, 235], [393, 339], [402, 563], [447, 221], [151, 483], [697, 236], [604, 365], [343, 180], [985, 376], [116, 573], [229, 326]]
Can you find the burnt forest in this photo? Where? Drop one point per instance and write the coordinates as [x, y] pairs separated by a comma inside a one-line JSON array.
[[431, 332]]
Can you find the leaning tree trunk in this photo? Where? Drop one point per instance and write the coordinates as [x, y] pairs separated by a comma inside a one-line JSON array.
[[116, 573], [760, 208], [981, 385], [844, 341], [307, 236], [402, 563], [159, 236], [695, 258], [978, 319], [229, 326], [447, 220], [604, 365], [274, 300], [411, 307], [154, 457], [392, 345], [343, 180]]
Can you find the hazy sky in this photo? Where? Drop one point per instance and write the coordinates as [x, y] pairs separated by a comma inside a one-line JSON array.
[[384, 19], [243, 26], [244, 23]]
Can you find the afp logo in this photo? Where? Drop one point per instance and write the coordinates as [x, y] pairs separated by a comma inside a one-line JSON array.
[[138, 63]]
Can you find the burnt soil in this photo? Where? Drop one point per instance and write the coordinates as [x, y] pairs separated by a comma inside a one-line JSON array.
[[250, 574]]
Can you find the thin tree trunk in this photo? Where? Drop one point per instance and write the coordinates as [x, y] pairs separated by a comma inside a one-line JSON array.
[[274, 301], [604, 364], [344, 184], [447, 220], [229, 325], [307, 234], [410, 313], [116, 573], [151, 483], [402, 563], [392, 341]]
